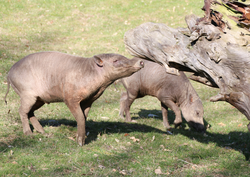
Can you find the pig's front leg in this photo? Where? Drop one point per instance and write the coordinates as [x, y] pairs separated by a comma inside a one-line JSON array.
[[127, 102], [80, 117], [164, 110], [170, 104]]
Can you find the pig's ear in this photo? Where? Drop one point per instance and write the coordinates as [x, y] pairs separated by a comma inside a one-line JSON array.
[[191, 98], [98, 61]]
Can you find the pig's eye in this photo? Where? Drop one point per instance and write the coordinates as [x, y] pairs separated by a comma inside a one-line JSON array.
[[116, 63]]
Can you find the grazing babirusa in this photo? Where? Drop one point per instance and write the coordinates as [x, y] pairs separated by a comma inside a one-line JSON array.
[[174, 92], [48, 77]]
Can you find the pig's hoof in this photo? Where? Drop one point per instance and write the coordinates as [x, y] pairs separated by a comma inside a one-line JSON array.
[[37, 126], [177, 121], [121, 116], [177, 125], [80, 140], [40, 130], [128, 120], [168, 127], [29, 132]]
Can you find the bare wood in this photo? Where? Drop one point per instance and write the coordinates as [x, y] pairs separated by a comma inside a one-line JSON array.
[[202, 80]]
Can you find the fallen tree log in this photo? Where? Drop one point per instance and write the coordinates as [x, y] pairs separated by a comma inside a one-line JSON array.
[[217, 57]]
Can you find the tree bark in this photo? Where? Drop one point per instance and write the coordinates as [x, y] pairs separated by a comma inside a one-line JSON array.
[[217, 57]]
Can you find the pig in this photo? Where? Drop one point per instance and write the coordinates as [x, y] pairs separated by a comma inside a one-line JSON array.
[[173, 91], [48, 77]]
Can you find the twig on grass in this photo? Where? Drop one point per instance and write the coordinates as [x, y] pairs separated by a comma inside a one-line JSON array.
[[187, 162], [3, 150]]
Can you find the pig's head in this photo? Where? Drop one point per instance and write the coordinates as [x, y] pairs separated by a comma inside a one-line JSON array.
[[115, 66], [192, 111]]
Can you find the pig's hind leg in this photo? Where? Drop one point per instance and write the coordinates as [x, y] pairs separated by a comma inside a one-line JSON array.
[[28, 106], [127, 103], [37, 126], [170, 104]]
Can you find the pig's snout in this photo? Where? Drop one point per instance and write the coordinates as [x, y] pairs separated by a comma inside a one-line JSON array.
[[197, 126], [200, 128], [139, 64], [142, 63]]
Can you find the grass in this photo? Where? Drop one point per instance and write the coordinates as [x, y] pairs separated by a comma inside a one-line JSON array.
[[113, 147]]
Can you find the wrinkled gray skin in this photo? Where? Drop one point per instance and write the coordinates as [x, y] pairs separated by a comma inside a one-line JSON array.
[[174, 92], [48, 77]]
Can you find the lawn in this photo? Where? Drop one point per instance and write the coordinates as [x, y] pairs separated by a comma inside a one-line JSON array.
[[113, 147]]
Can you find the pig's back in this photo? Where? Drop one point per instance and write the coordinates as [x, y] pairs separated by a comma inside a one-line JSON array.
[[155, 81], [42, 73]]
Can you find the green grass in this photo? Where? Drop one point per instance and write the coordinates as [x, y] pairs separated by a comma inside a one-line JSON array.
[[87, 28]]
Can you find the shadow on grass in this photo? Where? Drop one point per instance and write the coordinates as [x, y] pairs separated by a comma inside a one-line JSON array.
[[157, 114], [96, 128], [236, 140], [144, 113]]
